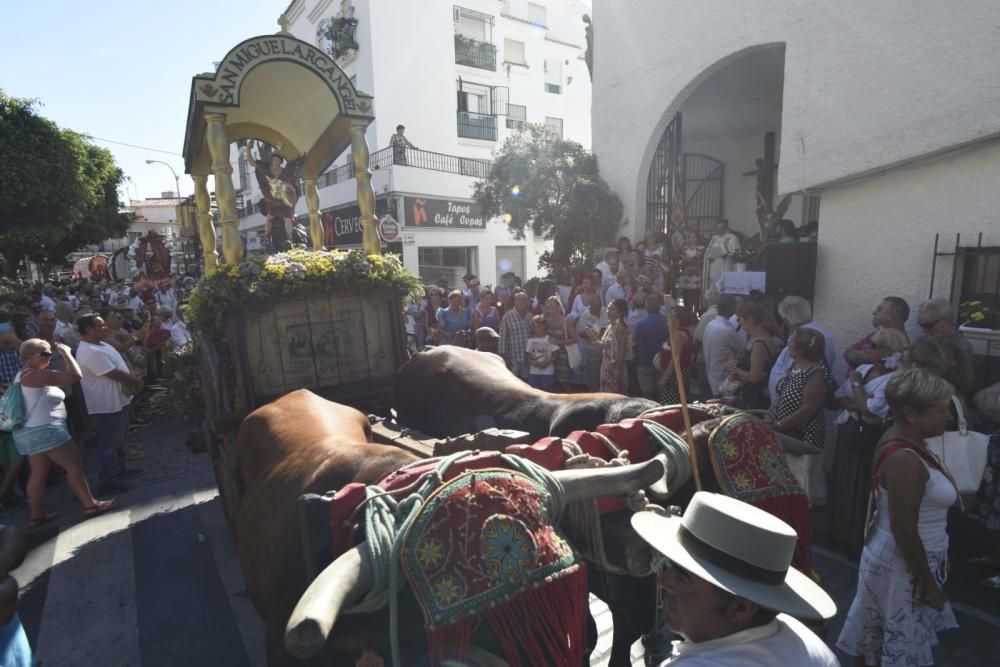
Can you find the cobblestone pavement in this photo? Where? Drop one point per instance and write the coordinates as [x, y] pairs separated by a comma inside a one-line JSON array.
[[156, 582]]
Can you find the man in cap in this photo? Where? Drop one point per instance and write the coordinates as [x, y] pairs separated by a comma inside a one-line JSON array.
[[731, 592], [487, 339]]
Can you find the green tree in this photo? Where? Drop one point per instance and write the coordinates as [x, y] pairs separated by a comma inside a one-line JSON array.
[[553, 187], [58, 191]]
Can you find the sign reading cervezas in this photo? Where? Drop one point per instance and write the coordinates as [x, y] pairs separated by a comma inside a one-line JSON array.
[[278, 47], [430, 213]]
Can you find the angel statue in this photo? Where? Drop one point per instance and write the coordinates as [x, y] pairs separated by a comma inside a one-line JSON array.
[[279, 185]]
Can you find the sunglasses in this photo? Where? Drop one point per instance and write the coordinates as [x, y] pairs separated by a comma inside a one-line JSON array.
[[928, 325], [43, 354]]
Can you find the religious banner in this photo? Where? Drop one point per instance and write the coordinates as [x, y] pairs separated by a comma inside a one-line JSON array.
[[438, 213]]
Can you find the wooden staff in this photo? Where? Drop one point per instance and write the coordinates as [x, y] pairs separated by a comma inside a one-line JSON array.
[[674, 325]]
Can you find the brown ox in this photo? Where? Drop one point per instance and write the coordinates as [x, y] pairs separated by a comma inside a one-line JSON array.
[[448, 390], [302, 444]]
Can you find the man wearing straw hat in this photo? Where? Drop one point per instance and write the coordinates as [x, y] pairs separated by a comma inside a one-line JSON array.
[[731, 592]]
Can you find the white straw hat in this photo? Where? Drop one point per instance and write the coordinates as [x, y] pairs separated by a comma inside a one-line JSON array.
[[740, 549]]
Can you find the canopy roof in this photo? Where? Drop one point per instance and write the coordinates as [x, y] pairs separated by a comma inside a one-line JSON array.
[[280, 90]]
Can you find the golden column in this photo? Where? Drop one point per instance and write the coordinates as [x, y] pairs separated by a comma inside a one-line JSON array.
[[225, 194], [315, 224], [366, 194], [206, 230]]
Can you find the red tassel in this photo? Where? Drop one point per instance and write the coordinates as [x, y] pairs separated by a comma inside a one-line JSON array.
[[793, 510]]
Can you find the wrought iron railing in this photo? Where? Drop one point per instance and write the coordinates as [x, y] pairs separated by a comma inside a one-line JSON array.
[[472, 53], [477, 126], [411, 157]]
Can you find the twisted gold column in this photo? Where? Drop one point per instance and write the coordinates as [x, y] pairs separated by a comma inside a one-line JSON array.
[[366, 194], [225, 193], [315, 224], [206, 230]]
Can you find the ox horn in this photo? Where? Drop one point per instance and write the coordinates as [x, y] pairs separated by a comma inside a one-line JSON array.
[[337, 587], [585, 483]]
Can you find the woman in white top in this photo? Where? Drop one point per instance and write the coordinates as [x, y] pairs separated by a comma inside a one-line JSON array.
[[44, 438], [900, 606]]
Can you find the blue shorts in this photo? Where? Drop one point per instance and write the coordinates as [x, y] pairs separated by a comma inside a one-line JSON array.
[[541, 381], [38, 439]]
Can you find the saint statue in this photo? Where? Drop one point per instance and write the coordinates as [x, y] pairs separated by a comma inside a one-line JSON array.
[[718, 253], [279, 185]]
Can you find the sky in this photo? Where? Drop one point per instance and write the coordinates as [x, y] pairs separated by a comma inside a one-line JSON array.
[[121, 70]]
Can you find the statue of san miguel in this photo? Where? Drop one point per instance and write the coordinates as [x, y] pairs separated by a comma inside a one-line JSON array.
[[278, 180]]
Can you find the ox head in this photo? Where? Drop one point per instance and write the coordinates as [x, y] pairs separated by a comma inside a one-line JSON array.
[[348, 578]]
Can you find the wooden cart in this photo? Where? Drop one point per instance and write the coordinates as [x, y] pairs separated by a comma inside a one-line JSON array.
[[344, 346]]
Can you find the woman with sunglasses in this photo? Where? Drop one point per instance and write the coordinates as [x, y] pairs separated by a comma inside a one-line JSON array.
[[44, 438]]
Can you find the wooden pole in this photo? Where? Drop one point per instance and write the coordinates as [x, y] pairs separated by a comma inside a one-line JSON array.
[[673, 325]]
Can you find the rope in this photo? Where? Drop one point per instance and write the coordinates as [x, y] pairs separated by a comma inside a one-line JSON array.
[[387, 518], [675, 447]]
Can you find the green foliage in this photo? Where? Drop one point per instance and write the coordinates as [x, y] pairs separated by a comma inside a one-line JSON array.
[[178, 393], [553, 187], [976, 314], [257, 283], [60, 192]]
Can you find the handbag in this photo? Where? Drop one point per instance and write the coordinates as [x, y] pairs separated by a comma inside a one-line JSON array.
[[963, 452], [12, 412], [12, 415], [572, 351]]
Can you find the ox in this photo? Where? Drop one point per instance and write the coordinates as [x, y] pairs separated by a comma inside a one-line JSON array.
[[302, 444], [447, 390]]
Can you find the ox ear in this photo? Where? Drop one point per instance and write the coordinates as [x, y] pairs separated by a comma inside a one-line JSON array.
[[337, 587], [586, 483]]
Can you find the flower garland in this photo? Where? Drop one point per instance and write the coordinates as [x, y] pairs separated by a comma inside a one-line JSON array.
[[256, 283]]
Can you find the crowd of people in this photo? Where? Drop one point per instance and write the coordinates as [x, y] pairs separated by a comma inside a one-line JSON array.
[[82, 353], [611, 332]]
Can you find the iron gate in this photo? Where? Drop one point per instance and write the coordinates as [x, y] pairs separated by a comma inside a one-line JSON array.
[[703, 188], [665, 177]]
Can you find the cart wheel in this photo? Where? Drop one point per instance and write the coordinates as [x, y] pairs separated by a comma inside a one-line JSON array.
[[223, 452]]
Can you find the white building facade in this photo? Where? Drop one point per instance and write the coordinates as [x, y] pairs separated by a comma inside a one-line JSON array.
[[884, 137], [461, 76]]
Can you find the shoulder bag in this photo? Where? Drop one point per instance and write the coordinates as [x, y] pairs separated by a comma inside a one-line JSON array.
[[963, 452]]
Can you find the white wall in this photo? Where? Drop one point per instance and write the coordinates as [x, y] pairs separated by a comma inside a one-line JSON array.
[[876, 236], [866, 85]]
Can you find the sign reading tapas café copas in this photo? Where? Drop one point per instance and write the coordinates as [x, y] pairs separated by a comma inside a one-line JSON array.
[[443, 213]]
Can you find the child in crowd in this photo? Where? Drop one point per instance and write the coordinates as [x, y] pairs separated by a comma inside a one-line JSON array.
[[538, 353]]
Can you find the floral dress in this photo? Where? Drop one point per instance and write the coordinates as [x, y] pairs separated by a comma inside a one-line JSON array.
[[614, 380], [987, 509]]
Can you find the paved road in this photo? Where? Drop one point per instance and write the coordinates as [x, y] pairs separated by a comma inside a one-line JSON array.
[[157, 583]]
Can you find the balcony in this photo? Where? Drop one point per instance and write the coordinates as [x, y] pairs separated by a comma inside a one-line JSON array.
[[472, 53], [477, 126], [412, 157]]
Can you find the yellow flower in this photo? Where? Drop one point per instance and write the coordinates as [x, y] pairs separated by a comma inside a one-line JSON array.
[[977, 316], [447, 591]]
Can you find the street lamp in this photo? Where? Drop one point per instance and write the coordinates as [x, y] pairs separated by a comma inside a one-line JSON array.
[[177, 181]]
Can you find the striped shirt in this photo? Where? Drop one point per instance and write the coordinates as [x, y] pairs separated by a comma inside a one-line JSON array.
[[515, 330]]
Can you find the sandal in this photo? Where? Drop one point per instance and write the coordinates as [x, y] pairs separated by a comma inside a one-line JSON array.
[[42, 520], [100, 507]]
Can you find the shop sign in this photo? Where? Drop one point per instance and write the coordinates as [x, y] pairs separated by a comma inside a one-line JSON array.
[[342, 226], [388, 229], [443, 213]]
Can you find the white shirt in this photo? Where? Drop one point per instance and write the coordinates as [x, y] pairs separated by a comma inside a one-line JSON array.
[[43, 405], [721, 344], [137, 304], [102, 394], [167, 298], [783, 641], [615, 291], [539, 349], [579, 307], [874, 388], [605, 269], [784, 362], [180, 336]]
